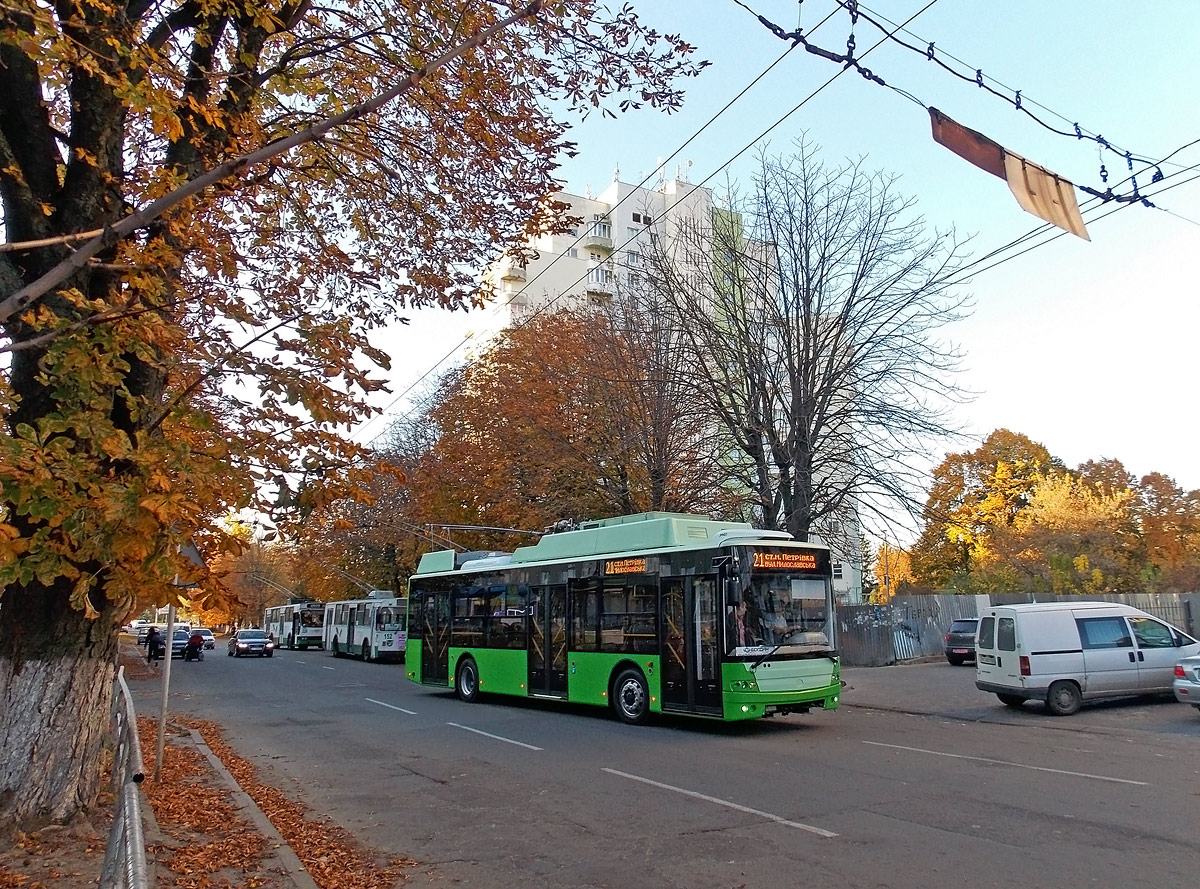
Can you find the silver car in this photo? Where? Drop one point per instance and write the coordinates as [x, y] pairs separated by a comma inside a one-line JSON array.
[[1187, 681]]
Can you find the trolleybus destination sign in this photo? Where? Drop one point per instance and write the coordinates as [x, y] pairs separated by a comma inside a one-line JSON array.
[[625, 566], [785, 561]]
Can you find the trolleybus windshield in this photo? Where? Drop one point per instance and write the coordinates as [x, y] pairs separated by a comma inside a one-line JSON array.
[[783, 603]]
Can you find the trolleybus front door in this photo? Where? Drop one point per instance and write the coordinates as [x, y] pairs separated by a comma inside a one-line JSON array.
[[691, 664], [548, 641]]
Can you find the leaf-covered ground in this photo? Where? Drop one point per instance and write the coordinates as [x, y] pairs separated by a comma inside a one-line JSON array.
[[202, 841]]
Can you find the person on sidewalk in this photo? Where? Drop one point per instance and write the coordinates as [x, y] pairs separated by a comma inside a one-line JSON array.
[[154, 645]]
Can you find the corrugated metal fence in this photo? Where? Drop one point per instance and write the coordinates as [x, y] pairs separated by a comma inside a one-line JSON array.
[[912, 627]]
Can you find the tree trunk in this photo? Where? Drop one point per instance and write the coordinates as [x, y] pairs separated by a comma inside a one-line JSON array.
[[56, 678]]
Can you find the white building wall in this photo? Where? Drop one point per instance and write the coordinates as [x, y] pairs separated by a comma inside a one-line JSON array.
[[610, 241]]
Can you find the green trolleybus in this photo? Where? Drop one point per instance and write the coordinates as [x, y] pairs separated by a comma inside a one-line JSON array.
[[659, 612]]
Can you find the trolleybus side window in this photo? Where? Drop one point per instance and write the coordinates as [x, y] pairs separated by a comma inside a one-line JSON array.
[[628, 615], [508, 618], [469, 609], [585, 615]]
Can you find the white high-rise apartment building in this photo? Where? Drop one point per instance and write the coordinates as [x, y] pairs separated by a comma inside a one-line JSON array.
[[616, 230], [607, 248]]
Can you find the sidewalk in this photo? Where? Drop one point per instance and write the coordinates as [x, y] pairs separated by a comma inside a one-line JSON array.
[[206, 818]]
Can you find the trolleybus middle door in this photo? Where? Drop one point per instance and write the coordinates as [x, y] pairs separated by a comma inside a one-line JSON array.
[[548, 640]]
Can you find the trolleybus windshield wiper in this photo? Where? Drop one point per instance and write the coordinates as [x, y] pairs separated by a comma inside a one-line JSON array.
[[758, 663]]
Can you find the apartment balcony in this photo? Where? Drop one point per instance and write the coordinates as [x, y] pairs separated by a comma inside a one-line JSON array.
[[600, 280], [599, 234], [511, 271]]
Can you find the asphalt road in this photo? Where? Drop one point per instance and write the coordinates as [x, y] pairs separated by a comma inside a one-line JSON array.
[[919, 780]]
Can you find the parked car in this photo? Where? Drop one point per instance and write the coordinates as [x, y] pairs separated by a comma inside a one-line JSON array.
[[247, 642], [960, 640], [1187, 681], [179, 642], [1066, 653]]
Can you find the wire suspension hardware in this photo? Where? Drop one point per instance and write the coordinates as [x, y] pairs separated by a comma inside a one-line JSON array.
[[978, 77]]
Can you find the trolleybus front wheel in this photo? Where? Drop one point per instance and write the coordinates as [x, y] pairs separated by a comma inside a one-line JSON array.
[[466, 683], [630, 699]]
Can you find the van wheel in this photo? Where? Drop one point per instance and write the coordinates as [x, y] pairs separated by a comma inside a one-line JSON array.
[[1014, 701], [466, 683], [630, 698], [1063, 698]]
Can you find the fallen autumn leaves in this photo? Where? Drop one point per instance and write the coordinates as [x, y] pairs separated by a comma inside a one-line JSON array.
[[202, 841]]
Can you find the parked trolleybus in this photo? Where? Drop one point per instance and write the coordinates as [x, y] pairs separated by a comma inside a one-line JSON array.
[[375, 629], [297, 625], [659, 612]]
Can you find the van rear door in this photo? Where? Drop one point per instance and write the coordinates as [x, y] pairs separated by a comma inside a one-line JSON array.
[[996, 658]]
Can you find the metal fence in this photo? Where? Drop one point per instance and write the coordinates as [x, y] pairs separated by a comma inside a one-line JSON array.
[[912, 627], [125, 855]]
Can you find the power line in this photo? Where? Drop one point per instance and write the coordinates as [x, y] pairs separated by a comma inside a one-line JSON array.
[[849, 60], [629, 240], [1058, 234], [579, 239]]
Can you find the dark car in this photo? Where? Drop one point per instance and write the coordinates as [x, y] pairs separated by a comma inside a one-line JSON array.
[[179, 642], [247, 642], [960, 641]]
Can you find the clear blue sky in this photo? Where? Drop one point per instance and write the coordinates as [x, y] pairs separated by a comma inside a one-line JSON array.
[[1089, 348]]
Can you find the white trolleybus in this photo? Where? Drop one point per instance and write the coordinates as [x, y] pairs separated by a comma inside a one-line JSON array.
[[297, 625], [374, 629], [659, 612]]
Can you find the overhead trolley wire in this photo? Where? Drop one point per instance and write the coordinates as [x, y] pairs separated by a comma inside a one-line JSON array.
[[579, 239], [553, 301]]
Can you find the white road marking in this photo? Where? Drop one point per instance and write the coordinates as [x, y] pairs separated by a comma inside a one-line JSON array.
[[302, 662], [391, 706], [721, 802], [326, 668], [1015, 765], [495, 737]]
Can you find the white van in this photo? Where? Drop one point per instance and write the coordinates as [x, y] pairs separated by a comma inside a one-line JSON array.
[[1066, 653]]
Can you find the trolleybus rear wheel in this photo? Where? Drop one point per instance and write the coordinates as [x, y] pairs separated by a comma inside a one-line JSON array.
[[630, 698], [467, 680]]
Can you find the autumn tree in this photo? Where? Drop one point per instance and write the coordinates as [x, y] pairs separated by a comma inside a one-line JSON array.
[[1069, 537], [813, 306], [207, 209], [893, 570], [972, 493], [570, 415], [1169, 519]]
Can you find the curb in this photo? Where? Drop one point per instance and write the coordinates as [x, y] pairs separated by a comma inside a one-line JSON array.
[[292, 866]]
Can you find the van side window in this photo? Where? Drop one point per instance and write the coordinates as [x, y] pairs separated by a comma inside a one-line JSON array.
[[1151, 634], [1103, 632], [1006, 634], [987, 633]]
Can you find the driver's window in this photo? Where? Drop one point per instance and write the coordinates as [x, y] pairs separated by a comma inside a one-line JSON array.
[[1151, 634]]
